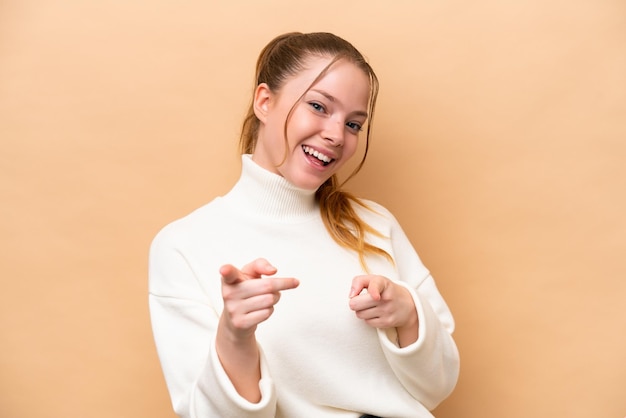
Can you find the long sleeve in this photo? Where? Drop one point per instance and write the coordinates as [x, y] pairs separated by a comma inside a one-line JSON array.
[[184, 325], [429, 367], [317, 358]]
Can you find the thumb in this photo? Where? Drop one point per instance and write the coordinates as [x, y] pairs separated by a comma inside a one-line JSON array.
[[231, 275], [358, 284], [374, 285], [258, 268], [253, 270]]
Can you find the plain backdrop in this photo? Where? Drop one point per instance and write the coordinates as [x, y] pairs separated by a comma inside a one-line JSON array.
[[499, 142]]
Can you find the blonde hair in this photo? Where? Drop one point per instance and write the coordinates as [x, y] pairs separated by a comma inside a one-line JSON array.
[[284, 57]]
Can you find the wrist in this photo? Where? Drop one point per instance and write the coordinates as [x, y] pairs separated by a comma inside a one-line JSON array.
[[235, 337], [408, 332]]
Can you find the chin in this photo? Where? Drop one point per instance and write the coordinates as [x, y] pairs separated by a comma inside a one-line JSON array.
[[307, 183]]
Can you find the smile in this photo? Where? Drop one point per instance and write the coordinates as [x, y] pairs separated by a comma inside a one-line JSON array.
[[325, 159]]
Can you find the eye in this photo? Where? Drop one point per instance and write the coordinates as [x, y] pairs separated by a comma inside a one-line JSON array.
[[354, 126], [318, 107]]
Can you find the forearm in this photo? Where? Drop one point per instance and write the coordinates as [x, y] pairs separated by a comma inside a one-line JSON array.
[[409, 332], [428, 368], [240, 359]]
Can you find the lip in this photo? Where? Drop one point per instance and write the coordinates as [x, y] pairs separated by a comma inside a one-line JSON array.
[[328, 153]]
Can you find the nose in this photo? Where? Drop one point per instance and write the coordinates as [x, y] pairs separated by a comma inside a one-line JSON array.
[[334, 132]]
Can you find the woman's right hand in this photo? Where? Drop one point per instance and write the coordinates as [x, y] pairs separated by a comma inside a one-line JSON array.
[[249, 299]]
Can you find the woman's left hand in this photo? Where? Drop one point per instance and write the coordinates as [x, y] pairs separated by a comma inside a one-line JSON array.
[[385, 304]]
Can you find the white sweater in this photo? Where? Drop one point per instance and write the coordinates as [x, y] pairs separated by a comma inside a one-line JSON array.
[[318, 360]]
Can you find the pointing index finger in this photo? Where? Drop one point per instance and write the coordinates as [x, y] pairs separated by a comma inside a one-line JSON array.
[[373, 286], [284, 283]]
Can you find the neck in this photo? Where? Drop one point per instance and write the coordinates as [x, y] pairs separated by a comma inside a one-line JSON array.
[[267, 195]]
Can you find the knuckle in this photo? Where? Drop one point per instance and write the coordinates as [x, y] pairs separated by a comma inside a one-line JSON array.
[[227, 292], [389, 321], [269, 299], [266, 313], [230, 310], [267, 286], [239, 322]]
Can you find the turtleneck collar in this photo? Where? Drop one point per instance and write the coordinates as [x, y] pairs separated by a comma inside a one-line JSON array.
[[264, 194]]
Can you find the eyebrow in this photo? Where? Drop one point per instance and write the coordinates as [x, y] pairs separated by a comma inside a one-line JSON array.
[[332, 99]]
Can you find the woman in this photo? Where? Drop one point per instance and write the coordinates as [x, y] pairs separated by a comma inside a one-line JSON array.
[[354, 323]]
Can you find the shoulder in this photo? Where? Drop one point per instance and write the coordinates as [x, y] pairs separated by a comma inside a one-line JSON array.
[[196, 223], [372, 211], [376, 216]]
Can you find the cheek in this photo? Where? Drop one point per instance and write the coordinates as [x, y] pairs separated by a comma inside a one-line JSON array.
[[350, 146], [302, 124]]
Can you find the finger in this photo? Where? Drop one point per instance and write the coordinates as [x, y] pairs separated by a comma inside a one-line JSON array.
[[263, 286], [368, 313], [362, 302], [267, 295], [252, 319], [253, 270], [258, 268], [277, 284], [255, 303], [231, 275], [358, 284], [376, 288]]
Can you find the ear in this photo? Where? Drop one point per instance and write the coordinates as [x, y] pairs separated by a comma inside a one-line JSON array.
[[262, 101]]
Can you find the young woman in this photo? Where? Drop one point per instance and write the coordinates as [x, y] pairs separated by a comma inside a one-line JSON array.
[[288, 297]]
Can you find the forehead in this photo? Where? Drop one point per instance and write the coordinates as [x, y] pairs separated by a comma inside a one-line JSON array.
[[342, 78]]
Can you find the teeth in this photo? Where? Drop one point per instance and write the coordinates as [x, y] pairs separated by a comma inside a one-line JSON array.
[[316, 154]]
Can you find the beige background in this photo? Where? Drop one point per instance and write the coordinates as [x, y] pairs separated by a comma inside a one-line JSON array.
[[500, 144]]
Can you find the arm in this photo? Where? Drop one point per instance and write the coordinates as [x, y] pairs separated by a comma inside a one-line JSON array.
[[429, 367], [247, 302], [413, 321], [185, 324]]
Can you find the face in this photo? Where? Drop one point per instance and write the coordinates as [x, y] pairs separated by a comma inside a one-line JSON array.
[[324, 127]]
